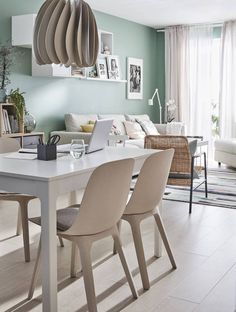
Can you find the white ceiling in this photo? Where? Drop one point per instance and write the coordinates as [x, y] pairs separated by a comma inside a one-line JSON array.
[[157, 13]]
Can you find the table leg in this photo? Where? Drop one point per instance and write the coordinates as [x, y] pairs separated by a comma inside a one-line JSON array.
[[49, 249], [157, 238]]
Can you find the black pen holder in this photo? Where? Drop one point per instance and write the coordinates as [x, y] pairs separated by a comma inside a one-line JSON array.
[[47, 152]]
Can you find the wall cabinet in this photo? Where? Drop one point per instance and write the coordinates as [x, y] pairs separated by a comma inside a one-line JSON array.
[[22, 36]]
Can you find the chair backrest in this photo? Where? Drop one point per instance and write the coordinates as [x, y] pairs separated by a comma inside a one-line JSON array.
[[8, 145], [104, 199], [181, 162], [151, 183]]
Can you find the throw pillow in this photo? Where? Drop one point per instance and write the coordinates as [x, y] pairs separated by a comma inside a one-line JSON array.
[[148, 127], [135, 117], [87, 128], [134, 130], [117, 121]]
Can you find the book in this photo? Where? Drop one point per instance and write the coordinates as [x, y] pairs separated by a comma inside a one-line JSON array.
[[6, 121]]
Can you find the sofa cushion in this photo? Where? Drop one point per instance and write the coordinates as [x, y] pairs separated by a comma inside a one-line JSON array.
[[135, 117], [148, 127], [139, 143], [118, 121], [134, 130], [74, 121]]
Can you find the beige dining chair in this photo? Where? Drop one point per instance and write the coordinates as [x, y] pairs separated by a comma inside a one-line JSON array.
[[8, 145], [101, 208], [144, 201]]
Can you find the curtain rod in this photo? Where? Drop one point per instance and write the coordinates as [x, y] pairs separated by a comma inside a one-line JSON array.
[[208, 24]]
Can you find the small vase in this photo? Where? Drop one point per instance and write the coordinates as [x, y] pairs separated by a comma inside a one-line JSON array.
[[29, 123], [2, 95]]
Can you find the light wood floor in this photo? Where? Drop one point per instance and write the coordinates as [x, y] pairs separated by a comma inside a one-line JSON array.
[[205, 281]]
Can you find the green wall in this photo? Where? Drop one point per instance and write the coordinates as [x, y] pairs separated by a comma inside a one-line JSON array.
[[48, 99]]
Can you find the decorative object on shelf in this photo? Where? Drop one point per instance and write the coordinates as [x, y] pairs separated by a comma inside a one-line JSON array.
[[92, 72], [170, 110], [135, 79], [113, 66], [78, 72], [150, 102], [66, 33], [17, 98], [102, 68], [29, 122], [106, 50]]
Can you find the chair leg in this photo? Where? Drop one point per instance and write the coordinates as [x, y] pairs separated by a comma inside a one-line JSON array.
[[35, 273], [85, 248], [164, 237], [119, 249], [119, 229], [137, 237], [205, 173], [75, 257], [19, 224], [25, 227]]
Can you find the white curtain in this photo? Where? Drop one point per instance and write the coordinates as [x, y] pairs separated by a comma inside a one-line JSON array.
[[228, 81], [188, 75]]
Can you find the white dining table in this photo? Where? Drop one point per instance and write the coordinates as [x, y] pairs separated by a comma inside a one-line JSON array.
[[47, 180]]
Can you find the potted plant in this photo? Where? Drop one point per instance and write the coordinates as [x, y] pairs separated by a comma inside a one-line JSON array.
[[6, 61], [17, 98]]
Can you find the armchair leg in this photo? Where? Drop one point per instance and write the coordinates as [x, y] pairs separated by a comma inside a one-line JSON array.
[[191, 187]]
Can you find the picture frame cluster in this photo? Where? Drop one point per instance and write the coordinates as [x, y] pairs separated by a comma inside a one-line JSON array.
[[109, 67], [106, 68]]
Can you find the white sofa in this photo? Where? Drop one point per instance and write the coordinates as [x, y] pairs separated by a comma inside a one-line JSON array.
[[73, 124], [225, 152]]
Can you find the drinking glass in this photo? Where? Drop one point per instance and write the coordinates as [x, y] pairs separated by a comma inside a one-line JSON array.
[[77, 148]]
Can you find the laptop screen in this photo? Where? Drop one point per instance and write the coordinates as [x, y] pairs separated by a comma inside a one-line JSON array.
[[100, 135]]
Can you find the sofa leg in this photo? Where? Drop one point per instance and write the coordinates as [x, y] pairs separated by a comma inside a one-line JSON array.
[[219, 164]]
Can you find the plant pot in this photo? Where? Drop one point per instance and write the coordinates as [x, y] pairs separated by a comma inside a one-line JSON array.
[[2, 95]]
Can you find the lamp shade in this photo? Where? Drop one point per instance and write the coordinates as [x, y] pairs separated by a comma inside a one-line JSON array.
[[66, 33]]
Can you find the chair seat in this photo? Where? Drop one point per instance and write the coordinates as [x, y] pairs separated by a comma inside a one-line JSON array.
[[176, 175], [65, 218], [4, 195]]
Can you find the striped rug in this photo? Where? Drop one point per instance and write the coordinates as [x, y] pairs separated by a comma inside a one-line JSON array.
[[221, 190]]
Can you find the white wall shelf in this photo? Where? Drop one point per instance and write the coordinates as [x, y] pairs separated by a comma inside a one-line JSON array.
[[22, 36], [106, 80], [105, 40], [22, 27]]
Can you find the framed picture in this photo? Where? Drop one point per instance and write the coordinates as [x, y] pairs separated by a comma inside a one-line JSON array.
[[78, 72], [102, 68], [91, 72], [135, 79], [113, 66]]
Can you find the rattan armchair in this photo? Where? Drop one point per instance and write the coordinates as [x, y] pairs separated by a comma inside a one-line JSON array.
[[183, 168]]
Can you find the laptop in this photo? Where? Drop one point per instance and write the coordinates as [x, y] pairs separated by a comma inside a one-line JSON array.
[[98, 140], [99, 136]]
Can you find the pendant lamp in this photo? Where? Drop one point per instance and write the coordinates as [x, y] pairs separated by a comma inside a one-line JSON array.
[[66, 33]]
